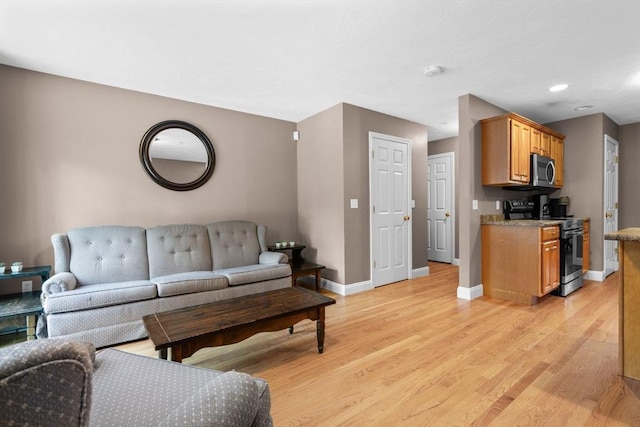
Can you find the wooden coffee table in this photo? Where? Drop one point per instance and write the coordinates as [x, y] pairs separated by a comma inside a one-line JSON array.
[[187, 330]]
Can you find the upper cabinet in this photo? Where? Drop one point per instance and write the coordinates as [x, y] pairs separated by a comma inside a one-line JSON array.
[[507, 144]]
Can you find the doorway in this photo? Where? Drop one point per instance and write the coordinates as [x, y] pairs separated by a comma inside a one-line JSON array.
[[390, 189], [610, 203], [440, 207]]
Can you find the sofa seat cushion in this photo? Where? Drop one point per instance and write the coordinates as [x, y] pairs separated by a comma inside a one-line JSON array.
[[189, 283], [255, 273], [95, 296]]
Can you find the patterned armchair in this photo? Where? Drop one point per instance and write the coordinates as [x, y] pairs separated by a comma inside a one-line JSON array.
[[55, 382]]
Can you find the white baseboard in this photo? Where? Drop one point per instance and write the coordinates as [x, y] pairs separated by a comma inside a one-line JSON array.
[[597, 276], [456, 261], [354, 288], [420, 272], [470, 293], [339, 288]]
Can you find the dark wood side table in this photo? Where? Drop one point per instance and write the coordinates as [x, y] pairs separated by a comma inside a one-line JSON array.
[[306, 269], [296, 252], [299, 267]]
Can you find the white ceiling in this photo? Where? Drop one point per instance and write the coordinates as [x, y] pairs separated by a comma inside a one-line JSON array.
[[290, 59]]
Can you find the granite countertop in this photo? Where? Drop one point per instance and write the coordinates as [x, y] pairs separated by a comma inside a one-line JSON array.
[[631, 234], [498, 219]]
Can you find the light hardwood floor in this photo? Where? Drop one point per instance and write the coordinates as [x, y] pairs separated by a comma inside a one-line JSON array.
[[411, 353]]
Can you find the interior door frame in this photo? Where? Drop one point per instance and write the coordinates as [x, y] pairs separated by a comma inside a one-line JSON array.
[[609, 139], [409, 248], [452, 197]]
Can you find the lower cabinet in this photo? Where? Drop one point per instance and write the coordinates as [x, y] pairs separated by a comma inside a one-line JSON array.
[[520, 263]]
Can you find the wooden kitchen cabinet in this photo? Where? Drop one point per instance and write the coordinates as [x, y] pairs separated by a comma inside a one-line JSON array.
[[586, 229], [520, 263], [557, 154], [545, 144], [550, 255], [507, 143]]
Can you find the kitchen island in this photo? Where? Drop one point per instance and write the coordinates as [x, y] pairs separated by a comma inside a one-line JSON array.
[[629, 306]]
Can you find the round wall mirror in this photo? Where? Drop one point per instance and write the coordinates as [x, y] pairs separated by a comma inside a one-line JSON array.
[[177, 155]]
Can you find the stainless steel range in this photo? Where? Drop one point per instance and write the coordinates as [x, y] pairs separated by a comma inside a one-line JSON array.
[[571, 240]]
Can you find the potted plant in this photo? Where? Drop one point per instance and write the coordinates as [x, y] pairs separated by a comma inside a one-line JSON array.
[[2, 267], [16, 267]]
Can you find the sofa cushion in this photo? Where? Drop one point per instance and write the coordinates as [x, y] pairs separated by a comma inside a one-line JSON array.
[[107, 254], [178, 248], [255, 273], [103, 295], [233, 244], [189, 282]]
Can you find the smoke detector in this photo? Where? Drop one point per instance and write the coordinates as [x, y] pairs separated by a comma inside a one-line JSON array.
[[433, 70]]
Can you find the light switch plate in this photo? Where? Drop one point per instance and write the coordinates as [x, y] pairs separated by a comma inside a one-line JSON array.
[[413, 204], [354, 203], [497, 205], [474, 205]]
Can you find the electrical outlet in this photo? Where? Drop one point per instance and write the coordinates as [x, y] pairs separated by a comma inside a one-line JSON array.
[[498, 205], [27, 286]]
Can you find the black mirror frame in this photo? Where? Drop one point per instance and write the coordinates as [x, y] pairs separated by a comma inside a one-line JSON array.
[[159, 179]]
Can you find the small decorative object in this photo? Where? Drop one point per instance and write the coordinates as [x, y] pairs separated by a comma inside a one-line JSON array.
[[284, 243], [278, 244], [16, 267], [292, 244], [2, 267]]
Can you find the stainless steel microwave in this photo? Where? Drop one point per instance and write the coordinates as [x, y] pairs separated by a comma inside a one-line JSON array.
[[543, 171]]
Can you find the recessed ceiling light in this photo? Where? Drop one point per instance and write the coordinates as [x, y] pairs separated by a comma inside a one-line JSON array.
[[558, 88], [583, 107]]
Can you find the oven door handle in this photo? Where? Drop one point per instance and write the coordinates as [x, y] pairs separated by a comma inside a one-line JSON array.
[[574, 233]]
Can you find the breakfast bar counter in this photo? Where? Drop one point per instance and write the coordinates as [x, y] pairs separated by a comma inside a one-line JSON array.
[[629, 306]]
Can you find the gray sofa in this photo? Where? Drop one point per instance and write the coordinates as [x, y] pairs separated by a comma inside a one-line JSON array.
[[108, 277], [56, 382]]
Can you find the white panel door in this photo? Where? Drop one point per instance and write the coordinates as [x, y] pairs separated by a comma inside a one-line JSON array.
[[610, 203], [390, 183], [440, 207]]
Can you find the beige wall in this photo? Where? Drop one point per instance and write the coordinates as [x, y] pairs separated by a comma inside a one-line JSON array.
[[320, 191], [358, 122], [69, 158], [333, 167], [629, 212], [471, 110]]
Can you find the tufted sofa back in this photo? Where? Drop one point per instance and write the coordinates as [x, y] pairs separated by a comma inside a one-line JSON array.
[[103, 254], [178, 248], [234, 243]]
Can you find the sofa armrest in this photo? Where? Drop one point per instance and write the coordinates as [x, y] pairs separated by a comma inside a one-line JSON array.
[[273, 258], [60, 282], [46, 382]]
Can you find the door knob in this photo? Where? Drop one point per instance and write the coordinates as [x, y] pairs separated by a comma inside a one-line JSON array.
[[608, 215], [406, 218], [447, 214]]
